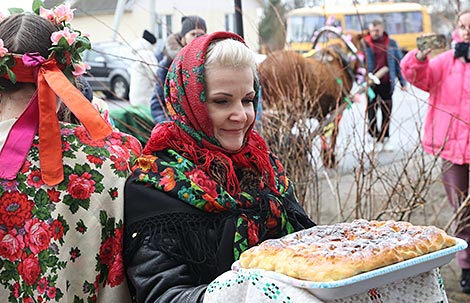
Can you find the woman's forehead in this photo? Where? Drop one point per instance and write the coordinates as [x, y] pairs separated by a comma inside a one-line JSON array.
[[464, 18]]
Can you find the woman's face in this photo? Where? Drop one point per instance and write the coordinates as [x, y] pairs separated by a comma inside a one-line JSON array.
[[463, 26], [192, 34], [230, 97]]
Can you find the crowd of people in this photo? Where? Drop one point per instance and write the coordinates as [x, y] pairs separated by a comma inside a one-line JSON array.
[[88, 215]]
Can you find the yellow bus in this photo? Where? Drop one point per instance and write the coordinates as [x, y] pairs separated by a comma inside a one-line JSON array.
[[404, 21]]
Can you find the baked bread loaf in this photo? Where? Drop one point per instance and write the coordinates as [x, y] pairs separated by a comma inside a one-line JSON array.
[[334, 252]]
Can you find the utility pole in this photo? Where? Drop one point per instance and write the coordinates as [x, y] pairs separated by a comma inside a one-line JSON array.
[[238, 18], [118, 17], [153, 16]]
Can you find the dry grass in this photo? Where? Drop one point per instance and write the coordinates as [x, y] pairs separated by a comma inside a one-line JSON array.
[[407, 189]]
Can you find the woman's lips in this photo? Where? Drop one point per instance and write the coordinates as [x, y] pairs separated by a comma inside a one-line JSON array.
[[233, 131]]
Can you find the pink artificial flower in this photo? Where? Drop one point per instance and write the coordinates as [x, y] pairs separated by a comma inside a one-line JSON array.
[[361, 57], [80, 68], [3, 50], [63, 13], [70, 36], [361, 71], [351, 57], [331, 20], [2, 16], [47, 14], [315, 35], [356, 98]]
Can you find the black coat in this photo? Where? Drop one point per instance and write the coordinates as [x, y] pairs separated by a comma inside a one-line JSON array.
[[173, 250]]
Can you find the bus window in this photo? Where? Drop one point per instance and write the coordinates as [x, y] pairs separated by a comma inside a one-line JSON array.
[[402, 23], [414, 22], [360, 22], [395, 23], [302, 28]]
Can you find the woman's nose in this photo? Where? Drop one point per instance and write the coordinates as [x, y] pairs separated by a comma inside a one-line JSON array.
[[239, 112]]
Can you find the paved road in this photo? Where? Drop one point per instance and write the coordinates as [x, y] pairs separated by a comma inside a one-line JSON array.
[[409, 109]]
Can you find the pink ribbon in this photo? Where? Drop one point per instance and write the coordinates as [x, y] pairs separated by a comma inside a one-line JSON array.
[[21, 135], [19, 140], [33, 60]]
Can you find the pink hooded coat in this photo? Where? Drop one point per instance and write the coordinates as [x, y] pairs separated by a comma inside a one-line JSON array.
[[447, 123]]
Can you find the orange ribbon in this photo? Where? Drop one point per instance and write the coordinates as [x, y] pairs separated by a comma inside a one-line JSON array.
[[52, 82]]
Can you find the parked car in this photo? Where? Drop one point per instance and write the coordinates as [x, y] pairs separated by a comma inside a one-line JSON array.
[[109, 72]]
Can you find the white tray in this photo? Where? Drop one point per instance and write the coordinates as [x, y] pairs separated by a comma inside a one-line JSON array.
[[372, 279]]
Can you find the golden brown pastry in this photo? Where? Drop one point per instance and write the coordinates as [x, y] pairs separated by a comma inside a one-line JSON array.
[[334, 252]]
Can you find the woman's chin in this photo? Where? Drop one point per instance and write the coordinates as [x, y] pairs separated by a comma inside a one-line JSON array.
[[232, 146]]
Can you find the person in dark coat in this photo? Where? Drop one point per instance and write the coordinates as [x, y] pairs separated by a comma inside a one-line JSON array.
[[207, 187], [381, 50], [191, 28]]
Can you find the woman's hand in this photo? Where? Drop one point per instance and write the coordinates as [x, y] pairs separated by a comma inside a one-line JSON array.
[[422, 55]]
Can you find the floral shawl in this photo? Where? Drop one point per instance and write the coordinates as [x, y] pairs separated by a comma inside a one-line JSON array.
[[63, 243]]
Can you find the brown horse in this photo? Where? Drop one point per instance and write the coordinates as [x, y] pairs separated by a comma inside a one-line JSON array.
[[315, 86]]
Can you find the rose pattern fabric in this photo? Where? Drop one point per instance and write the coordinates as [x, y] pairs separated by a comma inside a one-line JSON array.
[[64, 243]]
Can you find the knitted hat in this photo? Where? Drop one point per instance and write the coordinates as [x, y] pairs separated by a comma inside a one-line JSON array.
[[188, 23], [149, 37]]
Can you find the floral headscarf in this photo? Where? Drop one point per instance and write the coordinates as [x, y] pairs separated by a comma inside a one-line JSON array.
[[192, 129]]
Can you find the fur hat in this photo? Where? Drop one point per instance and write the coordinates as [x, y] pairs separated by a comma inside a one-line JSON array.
[[188, 23], [149, 37]]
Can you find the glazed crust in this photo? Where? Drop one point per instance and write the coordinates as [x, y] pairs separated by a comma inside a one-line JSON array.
[[334, 252]]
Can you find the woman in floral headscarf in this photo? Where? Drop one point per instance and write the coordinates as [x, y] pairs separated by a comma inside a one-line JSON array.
[[207, 187], [61, 184]]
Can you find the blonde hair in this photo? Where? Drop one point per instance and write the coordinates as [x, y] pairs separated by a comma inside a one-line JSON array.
[[229, 53], [460, 14]]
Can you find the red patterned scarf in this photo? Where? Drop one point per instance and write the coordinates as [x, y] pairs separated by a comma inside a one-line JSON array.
[[191, 131]]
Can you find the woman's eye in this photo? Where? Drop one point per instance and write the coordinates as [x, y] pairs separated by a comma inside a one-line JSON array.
[[247, 100], [220, 101]]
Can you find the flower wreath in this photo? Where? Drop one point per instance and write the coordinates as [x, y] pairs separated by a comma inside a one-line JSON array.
[[53, 77], [67, 44]]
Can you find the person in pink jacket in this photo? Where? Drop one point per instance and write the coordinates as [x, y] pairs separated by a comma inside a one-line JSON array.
[[447, 125]]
